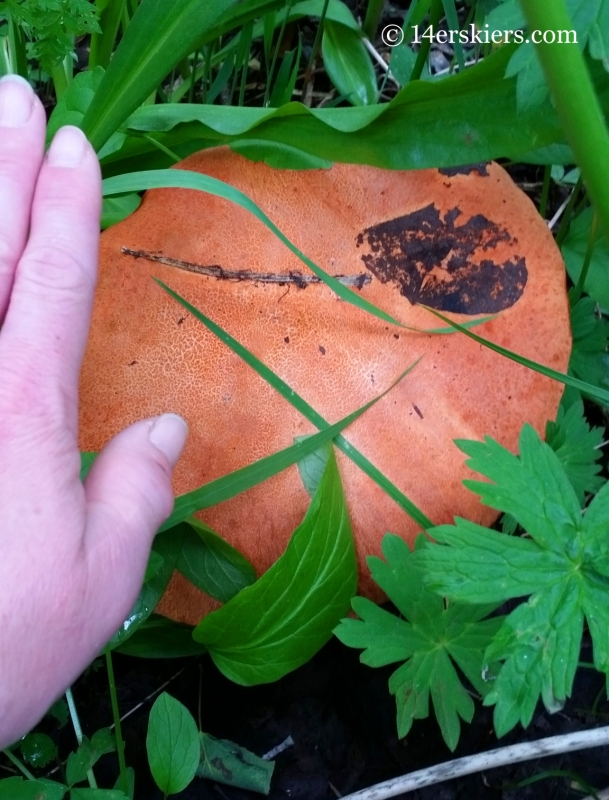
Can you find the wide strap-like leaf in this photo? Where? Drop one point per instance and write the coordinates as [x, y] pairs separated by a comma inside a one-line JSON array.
[[277, 624]]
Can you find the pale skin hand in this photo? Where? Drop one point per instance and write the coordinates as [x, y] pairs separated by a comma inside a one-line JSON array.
[[72, 557]]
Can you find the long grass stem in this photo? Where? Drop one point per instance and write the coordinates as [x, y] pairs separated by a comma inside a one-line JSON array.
[[20, 766], [78, 732], [575, 100], [373, 15], [435, 15], [120, 745]]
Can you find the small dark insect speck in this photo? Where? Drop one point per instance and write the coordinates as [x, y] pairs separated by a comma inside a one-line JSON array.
[[287, 340], [322, 350], [417, 410], [181, 320], [132, 363], [396, 335]]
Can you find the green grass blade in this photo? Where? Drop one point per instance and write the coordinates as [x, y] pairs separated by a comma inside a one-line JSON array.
[[567, 380], [308, 411], [242, 479], [179, 178], [160, 34]]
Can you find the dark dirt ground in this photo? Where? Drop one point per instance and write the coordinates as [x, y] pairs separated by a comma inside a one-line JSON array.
[[342, 720]]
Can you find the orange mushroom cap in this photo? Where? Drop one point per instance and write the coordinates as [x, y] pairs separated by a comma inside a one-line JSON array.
[[465, 241]]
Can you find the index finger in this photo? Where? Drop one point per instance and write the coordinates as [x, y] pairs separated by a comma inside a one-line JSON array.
[[47, 322]]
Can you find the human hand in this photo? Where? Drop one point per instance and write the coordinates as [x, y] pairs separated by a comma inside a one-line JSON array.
[[72, 557]]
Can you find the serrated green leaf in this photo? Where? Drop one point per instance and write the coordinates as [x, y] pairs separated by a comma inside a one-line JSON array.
[[533, 487], [574, 248], [281, 621], [80, 762], [20, 789], [37, 749], [229, 763], [348, 64], [210, 563], [589, 358], [172, 744], [564, 568], [427, 639], [577, 448]]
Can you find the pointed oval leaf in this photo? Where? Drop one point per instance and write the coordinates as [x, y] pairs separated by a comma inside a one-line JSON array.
[[281, 621], [172, 744]]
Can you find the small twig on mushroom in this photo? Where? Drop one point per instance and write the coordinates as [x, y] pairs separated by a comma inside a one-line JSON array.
[[513, 754], [215, 271]]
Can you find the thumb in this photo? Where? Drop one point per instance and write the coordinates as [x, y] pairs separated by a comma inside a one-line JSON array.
[[128, 490]]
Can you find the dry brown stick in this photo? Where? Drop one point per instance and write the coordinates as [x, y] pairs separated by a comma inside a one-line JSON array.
[[238, 275]]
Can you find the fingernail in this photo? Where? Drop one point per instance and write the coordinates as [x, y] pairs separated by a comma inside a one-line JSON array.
[[168, 434], [67, 148], [16, 101]]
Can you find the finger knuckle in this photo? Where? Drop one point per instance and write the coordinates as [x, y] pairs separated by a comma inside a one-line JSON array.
[[55, 268]]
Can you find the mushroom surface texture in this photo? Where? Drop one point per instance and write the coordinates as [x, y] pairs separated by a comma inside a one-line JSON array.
[[465, 241]]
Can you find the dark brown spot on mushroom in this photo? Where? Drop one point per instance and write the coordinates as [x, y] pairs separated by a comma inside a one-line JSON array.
[[481, 169], [417, 411], [437, 263], [286, 339], [132, 363], [322, 350]]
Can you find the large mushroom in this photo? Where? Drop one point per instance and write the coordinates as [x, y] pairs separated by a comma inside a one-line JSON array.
[[464, 241]]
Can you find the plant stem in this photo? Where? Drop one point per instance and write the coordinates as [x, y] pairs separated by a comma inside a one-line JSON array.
[[435, 15], [120, 745], [21, 767], [373, 15], [575, 100], [60, 80], [269, 77], [16, 49], [566, 219], [576, 293], [102, 43], [78, 732], [316, 43], [543, 203]]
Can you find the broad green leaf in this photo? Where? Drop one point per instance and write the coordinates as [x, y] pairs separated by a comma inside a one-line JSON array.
[[97, 794], [599, 35], [301, 405], [59, 711], [312, 468], [429, 638], [578, 449], [402, 61], [278, 155], [229, 763], [130, 782], [155, 562], [159, 637], [172, 744], [160, 34], [210, 563], [37, 749], [286, 77], [151, 591], [564, 567], [574, 250], [86, 462], [281, 621], [348, 64], [428, 124], [20, 789], [116, 209], [73, 105]]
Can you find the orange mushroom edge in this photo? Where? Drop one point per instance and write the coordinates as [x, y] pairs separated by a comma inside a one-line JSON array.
[[465, 241]]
